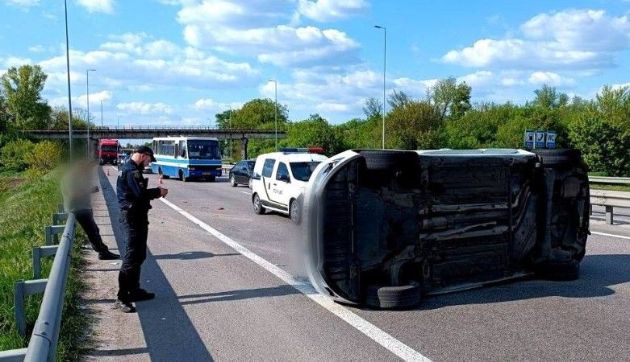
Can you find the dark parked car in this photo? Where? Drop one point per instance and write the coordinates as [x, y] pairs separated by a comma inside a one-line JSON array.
[[386, 228], [241, 172]]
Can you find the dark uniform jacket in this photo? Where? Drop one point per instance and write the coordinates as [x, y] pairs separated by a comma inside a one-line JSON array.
[[132, 190]]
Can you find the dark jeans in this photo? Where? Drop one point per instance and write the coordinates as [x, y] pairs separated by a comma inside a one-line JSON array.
[[85, 218], [136, 229]]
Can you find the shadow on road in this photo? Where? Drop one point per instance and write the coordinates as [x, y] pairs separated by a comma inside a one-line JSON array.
[[168, 332], [597, 275], [238, 295], [191, 255]]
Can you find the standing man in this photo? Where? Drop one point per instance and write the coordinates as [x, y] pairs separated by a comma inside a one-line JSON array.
[[77, 187], [134, 199]]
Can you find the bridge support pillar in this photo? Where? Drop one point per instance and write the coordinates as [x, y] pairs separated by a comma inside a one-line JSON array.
[[244, 141]]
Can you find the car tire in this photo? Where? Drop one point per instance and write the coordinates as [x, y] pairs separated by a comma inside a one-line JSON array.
[[294, 211], [182, 177], [559, 271], [393, 297], [561, 157], [233, 181], [386, 160], [258, 208]]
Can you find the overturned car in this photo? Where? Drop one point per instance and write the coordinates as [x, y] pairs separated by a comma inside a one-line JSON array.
[[386, 228]]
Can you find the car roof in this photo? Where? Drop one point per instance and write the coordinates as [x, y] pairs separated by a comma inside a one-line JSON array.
[[294, 156]]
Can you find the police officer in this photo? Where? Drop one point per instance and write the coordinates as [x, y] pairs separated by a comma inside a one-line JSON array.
[[134, 199]]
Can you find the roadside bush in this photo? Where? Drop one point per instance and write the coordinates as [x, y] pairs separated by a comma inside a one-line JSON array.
[[45, 156], [13, 155]]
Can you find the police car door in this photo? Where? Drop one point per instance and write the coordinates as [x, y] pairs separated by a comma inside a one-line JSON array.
[[281, 183]]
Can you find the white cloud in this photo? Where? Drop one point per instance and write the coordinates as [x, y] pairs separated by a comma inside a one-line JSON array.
[[577, 39], [97, 6], [134, 61], [145, 108], [550, 79], [23, 3], [37, 49], [14, 61], [95, 98], [327, 10], [259, 29], [621, 85]]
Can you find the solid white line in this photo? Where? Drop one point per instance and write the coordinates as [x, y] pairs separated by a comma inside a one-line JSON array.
[[246, 193], [611, 235], [376, 334]]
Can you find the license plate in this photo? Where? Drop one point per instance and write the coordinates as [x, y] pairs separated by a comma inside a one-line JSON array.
[[207, 173]]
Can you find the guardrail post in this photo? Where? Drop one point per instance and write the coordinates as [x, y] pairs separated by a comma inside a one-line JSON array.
[[60, 208], [59, 217], [13, 355], [609, 215], [23, 289], [18, 302], [38, 253], [51, 232]]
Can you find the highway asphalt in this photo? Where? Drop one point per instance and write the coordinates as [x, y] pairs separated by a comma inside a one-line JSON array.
[[216, 303]]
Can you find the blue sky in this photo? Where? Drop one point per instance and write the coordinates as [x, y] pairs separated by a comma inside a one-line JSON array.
[[179, 62]]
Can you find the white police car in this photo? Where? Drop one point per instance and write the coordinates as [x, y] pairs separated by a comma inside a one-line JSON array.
[[279, 180]]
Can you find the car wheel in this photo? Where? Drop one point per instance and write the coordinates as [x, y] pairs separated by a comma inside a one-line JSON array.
[[182, 177], [233, 181], [294, 211], [559, 271], [258, 208], [561, 157], [393, 297]]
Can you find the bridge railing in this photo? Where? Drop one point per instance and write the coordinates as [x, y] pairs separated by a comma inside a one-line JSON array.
[[43, 343]]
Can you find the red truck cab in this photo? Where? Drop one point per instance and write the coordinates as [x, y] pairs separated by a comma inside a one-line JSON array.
[[107, 151]]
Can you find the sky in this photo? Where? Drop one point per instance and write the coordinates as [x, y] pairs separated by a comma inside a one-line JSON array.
[[179, 62]]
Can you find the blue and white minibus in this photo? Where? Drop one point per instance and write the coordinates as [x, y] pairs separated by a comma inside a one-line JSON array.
[[187, 157]]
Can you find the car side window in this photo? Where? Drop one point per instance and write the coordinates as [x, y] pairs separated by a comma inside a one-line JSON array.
[[268, 167], [283, 172]]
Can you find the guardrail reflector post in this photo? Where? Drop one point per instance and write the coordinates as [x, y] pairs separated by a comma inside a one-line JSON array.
[[18, 301], [38, 253], [609, 215], [51, 233]]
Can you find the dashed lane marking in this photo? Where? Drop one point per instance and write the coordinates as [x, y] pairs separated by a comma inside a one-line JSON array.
[[373, 332]]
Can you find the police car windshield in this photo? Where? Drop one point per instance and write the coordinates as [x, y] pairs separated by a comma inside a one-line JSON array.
[[203, 150], [303, 170]]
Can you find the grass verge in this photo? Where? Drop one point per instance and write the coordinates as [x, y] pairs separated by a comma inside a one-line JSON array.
[[27, 206]]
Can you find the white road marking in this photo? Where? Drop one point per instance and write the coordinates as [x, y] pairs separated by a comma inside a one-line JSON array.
[[611, 235], [245, 192], [376, 334]]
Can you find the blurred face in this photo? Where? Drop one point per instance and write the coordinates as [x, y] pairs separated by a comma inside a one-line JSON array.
[[146, 160]]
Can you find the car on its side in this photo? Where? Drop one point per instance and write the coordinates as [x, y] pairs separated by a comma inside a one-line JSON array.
[[385, 228], [241, 172], [279, 180]]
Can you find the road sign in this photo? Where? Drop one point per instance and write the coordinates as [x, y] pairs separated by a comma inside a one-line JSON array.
[[551, 139], [539, 141], [529, 139]]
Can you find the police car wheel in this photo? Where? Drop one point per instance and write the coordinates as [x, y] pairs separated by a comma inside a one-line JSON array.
[[258, 208], [233, 181], [294, 211]]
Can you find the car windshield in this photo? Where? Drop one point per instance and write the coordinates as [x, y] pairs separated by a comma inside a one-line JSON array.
[[303, 170], [109, 148], [203, 150], [250, 165]]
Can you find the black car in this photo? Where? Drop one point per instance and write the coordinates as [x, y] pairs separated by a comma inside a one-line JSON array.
[[386, 228], [241, 172]]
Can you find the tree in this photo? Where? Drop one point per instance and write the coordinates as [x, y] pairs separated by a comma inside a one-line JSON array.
[[224, 119], [548, 98], [22, 88], [260, 114], [398, 99], [452, 99], [373, 109], [314, 132], [415, 125]]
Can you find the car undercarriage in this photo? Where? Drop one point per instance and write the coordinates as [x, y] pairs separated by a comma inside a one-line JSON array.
[[386, 228]]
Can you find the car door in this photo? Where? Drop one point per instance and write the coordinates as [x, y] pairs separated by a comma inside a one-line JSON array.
[[238, 173], [281, 183], [266, 179]]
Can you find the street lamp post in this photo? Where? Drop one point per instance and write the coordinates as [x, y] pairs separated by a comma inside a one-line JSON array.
[[87, 87], [101, 113], [65, 8], [275, 117], [384, 69]]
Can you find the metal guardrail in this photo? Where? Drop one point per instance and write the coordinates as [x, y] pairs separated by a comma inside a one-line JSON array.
[[610, 199], [609, 180], [43, 343]]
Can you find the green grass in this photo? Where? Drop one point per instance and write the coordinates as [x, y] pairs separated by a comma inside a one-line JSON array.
[[611, 187], [27, 205]]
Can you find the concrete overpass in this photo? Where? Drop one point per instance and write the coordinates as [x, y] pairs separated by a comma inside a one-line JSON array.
[[244, 135]]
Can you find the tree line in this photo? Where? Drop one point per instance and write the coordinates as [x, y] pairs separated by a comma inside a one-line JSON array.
[[444, 118]]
